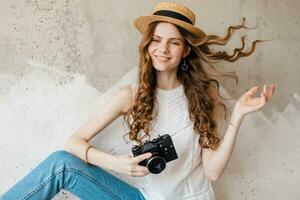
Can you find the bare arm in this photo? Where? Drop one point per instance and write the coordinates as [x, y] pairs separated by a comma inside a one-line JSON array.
[[215, 161], [114, 108], [78, 142]]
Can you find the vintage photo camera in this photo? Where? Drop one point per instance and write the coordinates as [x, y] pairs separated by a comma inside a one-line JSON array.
[[162, 150]]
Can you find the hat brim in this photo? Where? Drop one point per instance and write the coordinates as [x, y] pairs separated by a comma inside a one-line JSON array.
[[142, 23]]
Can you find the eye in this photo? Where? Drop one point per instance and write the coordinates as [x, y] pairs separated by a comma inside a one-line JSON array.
[[175, 43], [155, 40]]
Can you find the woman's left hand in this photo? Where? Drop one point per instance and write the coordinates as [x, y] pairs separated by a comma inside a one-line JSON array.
[[248, 103]]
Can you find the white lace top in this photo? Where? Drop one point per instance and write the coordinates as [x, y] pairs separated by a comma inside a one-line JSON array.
[[182, 178]]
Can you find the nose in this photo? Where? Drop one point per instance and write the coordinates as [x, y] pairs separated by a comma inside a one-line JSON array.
[[163, 47]]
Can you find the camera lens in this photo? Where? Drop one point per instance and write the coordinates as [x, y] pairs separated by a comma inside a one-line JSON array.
[[156, 165]]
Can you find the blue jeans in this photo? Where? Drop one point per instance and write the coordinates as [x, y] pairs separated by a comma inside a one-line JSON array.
[[63, 170]]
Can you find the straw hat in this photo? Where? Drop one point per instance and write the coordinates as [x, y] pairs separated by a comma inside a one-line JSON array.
[[173, 13]]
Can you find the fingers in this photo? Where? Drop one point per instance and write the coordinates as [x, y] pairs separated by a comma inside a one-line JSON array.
[[142, 157], [129, 164], [271, 92], [263, 101], [264, 94], [138, 171], [268, 92], [252, 92], [138, 174]]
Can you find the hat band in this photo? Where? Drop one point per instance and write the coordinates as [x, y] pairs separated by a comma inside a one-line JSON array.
[[173, 14]]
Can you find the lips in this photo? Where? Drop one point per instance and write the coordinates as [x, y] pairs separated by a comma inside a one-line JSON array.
[[161, 58]]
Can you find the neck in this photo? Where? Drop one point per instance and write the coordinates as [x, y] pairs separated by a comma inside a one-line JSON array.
[[167, 80]]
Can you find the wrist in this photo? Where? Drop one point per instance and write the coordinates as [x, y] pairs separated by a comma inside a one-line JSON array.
[[237, 113], [103, 159], [236, 118], [110, 161]]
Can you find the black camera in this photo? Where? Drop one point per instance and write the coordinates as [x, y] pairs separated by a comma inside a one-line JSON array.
[[162, 150]]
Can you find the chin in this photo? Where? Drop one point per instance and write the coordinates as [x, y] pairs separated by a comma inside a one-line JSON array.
[[164, 68]]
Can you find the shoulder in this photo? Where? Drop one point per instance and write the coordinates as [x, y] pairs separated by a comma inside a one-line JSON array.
[[125, 96]]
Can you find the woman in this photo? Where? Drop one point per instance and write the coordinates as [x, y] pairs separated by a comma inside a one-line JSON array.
[[175, 94]]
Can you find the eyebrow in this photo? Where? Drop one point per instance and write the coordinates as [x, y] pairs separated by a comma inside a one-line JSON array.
[[169, 38]]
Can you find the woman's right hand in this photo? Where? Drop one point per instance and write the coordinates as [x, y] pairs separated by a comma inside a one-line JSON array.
[[127, 164]]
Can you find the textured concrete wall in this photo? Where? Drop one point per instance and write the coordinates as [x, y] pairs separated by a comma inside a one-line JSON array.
[[60, 61]]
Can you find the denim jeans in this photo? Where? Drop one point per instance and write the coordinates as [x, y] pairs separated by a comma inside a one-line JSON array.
[[63, 170]]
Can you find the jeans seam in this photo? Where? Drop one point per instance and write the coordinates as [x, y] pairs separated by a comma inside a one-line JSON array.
[[74, 170], [95, 182]]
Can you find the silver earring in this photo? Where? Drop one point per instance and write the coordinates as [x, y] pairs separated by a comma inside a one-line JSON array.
[[184, 67]]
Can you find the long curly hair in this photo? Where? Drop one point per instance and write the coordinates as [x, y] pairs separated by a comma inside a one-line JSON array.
[[199, 82]]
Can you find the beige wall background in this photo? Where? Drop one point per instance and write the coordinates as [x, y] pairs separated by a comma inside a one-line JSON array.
[[61, 60]]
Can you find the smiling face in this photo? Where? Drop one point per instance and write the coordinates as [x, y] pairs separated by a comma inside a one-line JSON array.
[[167, 47]]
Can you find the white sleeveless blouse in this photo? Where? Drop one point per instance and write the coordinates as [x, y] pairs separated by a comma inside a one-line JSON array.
[[183, 178]]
